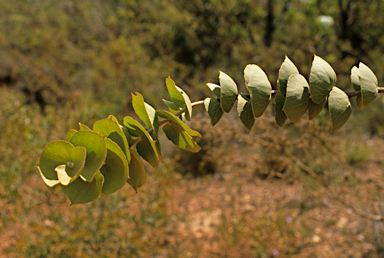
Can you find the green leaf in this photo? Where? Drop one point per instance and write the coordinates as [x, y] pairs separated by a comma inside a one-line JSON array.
[[172, 107], [137, 130], [297, 98], [228, 92], [111, 129], [81, 191], [287, 69], [315, 109], [158, 147], [58, 153], [244, 110], [188, 104], [115, 168], [214, 110], [180, 137], [145, 112], [69, 135], [215, 89], [176, 95], [355, 78], [96, 148], [137, 174], [280, 116], [84, 127], [259, 88], [127, 136], [322, 79], [368, 84], [177, 121], [339, 107]]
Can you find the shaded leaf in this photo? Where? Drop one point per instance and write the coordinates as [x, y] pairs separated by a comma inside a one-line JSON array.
[[368, 84], [244, 110], [355, 78], [359, 102], [172, 107], [287, 68], [81, 191], [339, 108], [296, 102], [180, 137], [280, 116], [96, 148], [213, 107], [137, 174], [315, 109], [259, 88], [228, 94], [322, 79]]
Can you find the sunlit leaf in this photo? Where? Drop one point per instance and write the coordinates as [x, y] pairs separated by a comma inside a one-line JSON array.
[[339, 108], [213, 107], [81, 191], [322, 79], [297, 98], [84, 127], [95, 145], [180, 137], [259, 88], [368, 84], [145, 112], [215, 89], [69, 135], [280, 116], [228, 94], [137, 174], [177, 121], [355, 78], [112, 130], [58, 153], [115, 168], [244, 110], [188, 104], [176, 95], [287, 69]]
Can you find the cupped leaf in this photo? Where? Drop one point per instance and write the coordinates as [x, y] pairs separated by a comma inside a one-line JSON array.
[[58, 153], [188, 104], [177, 121], [115, 168], [322, 79], [176, 96], [96, 148], [137, 174], [244, 110], [180, 137], [228, 93], [214, 110], [368, 84], [355, 78], [259, 88], [315, 109], [287, 69], [150, 150], [339, 108], [215, 89], [172, 106], [145, 112], [296, 103], [280, 116], [111, 129], [81, 191]]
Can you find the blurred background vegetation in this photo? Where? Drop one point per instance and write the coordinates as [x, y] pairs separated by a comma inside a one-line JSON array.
[[244, 195]]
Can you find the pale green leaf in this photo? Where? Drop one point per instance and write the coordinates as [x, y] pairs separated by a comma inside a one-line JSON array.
[[228, 94], [322, 79], [368, 84], [188, 104], [215, 89], [339, 108], [297, 98], [137, 174], [259, 88], [287, 69], [355, 78], [176, 95]]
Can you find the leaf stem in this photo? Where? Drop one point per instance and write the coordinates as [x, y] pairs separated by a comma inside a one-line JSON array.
[[358, 92]]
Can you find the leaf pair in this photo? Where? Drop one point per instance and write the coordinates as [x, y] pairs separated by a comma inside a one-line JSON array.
[[365, 80]]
